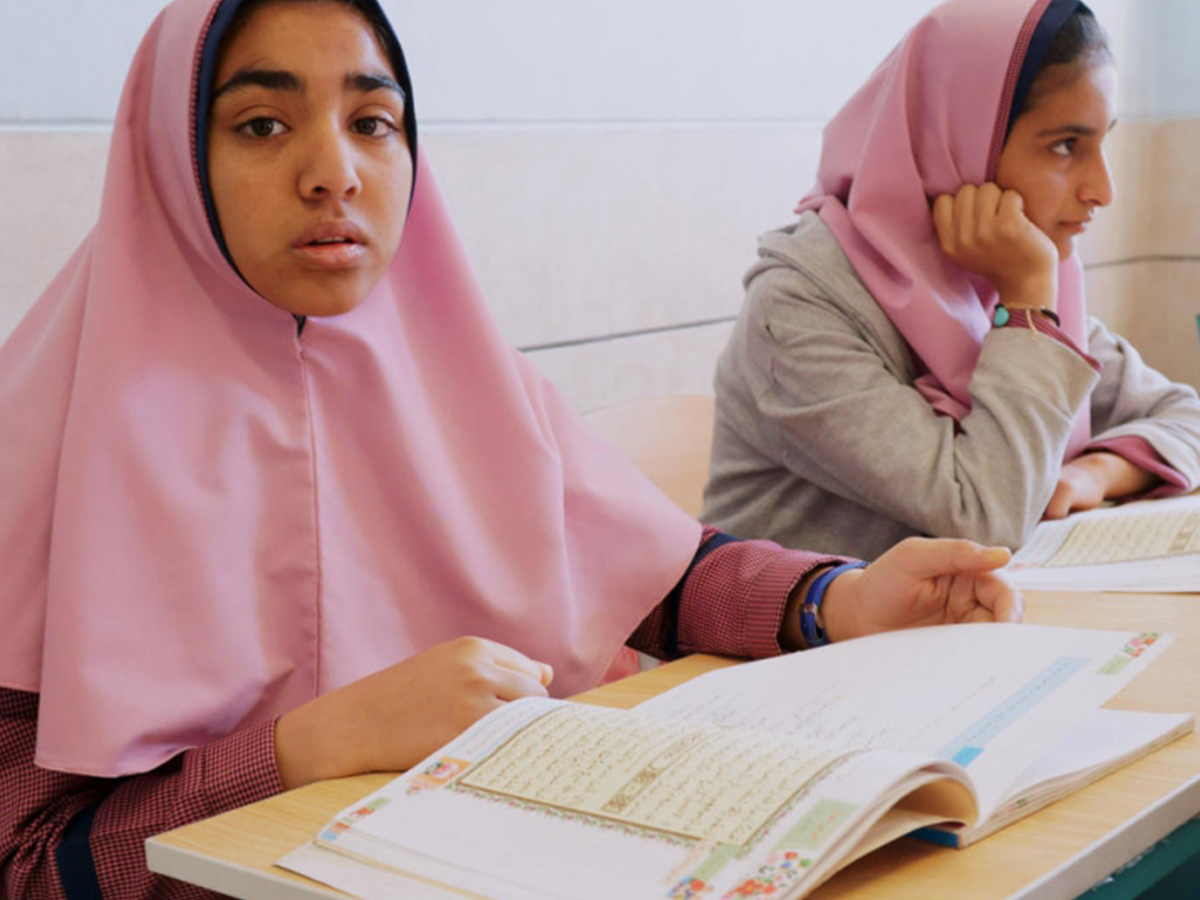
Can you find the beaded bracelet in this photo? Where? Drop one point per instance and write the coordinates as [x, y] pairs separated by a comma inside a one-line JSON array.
[[1003, 315], [812, 626]]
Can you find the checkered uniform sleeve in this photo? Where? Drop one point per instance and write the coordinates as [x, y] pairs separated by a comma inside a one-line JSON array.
[[730, 602], [37, 807]]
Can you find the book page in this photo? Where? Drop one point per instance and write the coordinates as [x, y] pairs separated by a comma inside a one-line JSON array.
[[1116, 539], [1106, 740], [988, 697], [540, 798], [1150, 545], [699, 782]]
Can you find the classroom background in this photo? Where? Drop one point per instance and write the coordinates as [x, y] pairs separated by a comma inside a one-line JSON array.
[[611, 164]]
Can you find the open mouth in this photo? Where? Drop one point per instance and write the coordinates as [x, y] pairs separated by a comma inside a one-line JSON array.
[[332, 252], [325, 242]]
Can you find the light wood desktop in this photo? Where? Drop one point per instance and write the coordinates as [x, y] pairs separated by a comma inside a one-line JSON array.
[[1057, 853]]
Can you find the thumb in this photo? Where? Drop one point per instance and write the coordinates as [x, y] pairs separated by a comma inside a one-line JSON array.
[[930, 557]]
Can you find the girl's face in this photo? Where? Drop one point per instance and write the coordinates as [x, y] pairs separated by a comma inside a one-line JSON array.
[[1054, 157], [309, 166]]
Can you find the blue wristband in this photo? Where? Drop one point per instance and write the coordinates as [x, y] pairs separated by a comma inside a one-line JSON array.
[[812, 628]]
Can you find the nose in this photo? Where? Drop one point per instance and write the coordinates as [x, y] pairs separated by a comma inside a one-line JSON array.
[[329, 167], [1097, 186]]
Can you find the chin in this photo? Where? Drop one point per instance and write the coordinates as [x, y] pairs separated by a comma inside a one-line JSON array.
[[319, 297], [328, 308], [324, 306]]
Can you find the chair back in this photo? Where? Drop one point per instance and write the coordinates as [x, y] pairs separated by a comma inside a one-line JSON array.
[[669, 438]]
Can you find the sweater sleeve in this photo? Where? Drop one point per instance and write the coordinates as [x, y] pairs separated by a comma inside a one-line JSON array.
[[44, 852], [1133, 400], [730, 601]]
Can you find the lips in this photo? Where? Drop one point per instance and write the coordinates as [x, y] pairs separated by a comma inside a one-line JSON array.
[[335, 244]]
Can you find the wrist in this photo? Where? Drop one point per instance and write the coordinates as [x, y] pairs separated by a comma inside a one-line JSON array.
[[837, 605], [1033, 293], [303, 746], [1117, 476]]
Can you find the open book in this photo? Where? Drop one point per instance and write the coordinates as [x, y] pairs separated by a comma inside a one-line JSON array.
[[1151, 545], [756, 780]]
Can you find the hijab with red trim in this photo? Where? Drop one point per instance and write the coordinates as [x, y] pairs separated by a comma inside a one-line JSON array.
[[933, 117]]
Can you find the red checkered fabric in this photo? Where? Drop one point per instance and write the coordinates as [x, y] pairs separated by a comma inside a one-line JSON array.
[[36, 805]]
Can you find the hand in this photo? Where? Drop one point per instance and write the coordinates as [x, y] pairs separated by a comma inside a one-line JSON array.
[[922, 581], [1089, 480], [391, 720], [985, 230]]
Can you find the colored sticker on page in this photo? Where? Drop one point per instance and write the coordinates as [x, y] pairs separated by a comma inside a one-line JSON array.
[[1131, 651], [817, 826], [343, 824], [438, 774], [773, 877]]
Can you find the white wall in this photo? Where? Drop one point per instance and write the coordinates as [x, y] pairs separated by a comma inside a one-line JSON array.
[[1171, 71], [516, 61]]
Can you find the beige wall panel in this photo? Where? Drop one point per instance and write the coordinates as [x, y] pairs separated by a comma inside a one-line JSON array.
[[1165, 328], [1114, 295], [581, 232], [52, 199], [1173, 214], [1155, 305]]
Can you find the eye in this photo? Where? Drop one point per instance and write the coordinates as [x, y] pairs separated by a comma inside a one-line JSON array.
[[262, 127], [373, 126], [1065, 147]]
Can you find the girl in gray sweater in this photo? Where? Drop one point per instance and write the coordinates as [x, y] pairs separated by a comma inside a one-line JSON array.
[[914, 355]]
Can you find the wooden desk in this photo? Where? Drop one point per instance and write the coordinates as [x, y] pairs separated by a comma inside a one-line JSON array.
[[1059, 852]]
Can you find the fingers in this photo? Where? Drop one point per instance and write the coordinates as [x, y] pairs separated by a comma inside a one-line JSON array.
[[1011, 207], [1008, 604], [943, 223], [924, 558], [980, 208], [1060, 501], [969, 217], [987, 597], [984, 229], [508, 684], [508, 658]]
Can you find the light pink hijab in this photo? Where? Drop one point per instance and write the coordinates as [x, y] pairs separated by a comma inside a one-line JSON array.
[[207, 521], [931, 118]]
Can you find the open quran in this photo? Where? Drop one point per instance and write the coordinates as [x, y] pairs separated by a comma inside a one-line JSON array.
[[757, 780]]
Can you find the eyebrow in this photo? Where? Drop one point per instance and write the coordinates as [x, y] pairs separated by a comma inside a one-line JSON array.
[[1076, 130], [278, 80], [270, 79], [365, 83]]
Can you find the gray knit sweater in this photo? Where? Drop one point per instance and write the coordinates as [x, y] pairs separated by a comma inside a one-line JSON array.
[[822, 442]]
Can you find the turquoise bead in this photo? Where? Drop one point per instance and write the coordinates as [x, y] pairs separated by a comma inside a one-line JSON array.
[[1000, 317]]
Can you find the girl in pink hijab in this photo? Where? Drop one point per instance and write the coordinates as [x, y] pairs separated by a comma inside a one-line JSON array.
[[915, 355], [280, 505]]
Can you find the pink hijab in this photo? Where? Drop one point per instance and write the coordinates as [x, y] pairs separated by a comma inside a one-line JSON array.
[[931, 118], [208, 520]]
